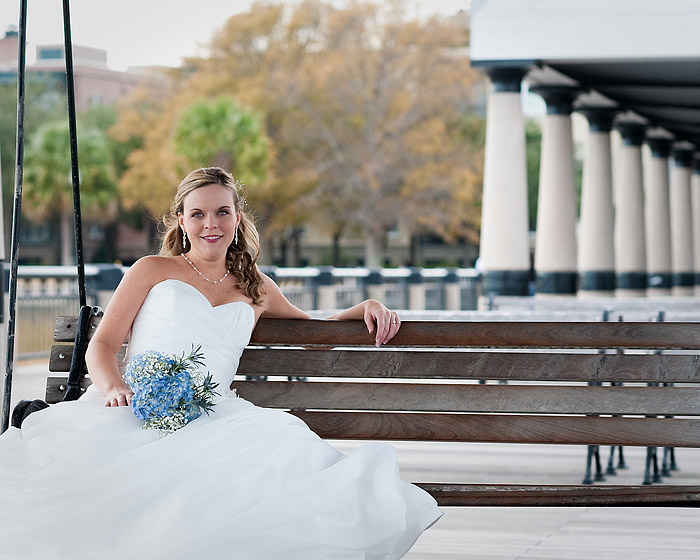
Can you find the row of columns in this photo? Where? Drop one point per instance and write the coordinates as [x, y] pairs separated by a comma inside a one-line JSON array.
[[639, 227]]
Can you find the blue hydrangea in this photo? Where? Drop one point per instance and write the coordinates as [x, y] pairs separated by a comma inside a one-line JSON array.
[[169, 391]]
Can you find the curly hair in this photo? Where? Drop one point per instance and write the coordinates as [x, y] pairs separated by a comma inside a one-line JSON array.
[[241, 257]]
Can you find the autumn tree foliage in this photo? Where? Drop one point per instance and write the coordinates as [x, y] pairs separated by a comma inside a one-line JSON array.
[[363, 109]]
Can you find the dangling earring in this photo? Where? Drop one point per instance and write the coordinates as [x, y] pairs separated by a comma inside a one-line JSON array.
[[184, 238], [235, 237]]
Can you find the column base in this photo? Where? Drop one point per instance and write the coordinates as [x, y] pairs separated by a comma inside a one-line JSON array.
[[592, 294], [652, 292], [683, 279], [631, 281], [683, 284], [557, 282], [506, 282], [597, 281], [659, 280], [683, 291]]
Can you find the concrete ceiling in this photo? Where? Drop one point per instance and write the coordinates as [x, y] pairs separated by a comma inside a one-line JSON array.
[[642, 56], [665, 93]]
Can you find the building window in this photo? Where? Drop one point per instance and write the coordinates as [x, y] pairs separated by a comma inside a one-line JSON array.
[[95, 99], [45, 54], [95, 231]]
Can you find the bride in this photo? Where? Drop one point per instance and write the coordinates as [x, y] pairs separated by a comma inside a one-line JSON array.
[[81, 480]]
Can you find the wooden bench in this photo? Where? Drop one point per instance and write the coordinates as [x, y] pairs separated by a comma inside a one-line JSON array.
[[423, 386]]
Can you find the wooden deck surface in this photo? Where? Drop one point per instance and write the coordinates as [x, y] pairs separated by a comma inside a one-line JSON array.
[[546, 533], [527, 533]]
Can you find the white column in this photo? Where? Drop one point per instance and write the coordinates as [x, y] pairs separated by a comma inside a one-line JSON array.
[[504, 248], [657, 215], [682, 224], [695, 200], [555, 245], [630, 242], [596, 255]]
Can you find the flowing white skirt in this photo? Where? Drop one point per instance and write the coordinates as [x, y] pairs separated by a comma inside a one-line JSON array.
[[82, 481]]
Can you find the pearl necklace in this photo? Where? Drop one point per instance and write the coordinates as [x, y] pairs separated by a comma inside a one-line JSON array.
[[219, 281]]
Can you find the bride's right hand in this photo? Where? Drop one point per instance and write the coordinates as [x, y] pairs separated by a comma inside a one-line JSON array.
[[119, 396]]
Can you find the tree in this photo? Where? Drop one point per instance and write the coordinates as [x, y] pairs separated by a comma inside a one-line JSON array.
[[44, 100], [362, 108], [47, 179], [219, 133], [375, 112]]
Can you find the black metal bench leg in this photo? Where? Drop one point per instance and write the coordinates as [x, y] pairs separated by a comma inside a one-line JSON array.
[[592, 451], [621, 464], [611, 469], [599, 476], [657, 471], [665, 464], [647, 467], [672, 453], [651, 465]]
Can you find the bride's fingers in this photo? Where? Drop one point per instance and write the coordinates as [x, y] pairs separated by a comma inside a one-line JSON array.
[[393, 326], [120, 399], [387, 326]]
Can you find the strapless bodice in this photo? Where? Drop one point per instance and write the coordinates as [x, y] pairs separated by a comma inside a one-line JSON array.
[[175, 315]]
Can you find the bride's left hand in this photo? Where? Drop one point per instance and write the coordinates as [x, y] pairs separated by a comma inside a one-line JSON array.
[[380, 320], [119, 396]]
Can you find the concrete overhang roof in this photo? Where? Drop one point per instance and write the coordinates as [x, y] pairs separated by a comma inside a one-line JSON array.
[[641, 56]]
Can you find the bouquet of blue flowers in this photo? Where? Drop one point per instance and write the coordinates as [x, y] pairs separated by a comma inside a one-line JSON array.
[[169, 390]]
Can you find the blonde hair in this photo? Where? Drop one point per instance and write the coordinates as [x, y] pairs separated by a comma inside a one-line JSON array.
[[241, 257]]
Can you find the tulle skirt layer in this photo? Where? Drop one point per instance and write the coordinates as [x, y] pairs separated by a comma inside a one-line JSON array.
[[82, 481]]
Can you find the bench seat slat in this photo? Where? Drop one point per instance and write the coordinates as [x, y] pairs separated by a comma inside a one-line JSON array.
[[486, 428], [388, 364], [433, 397], [509, 495], [302, 332]]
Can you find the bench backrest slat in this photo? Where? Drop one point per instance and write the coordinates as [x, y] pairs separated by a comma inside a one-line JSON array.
[[508, 399], [65, 327], [474, 334], [402, 364], [569, 430], [56, 388], [61, 355], [668, 335]]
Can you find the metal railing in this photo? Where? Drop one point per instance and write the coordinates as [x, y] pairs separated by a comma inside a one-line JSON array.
[[45, 292]]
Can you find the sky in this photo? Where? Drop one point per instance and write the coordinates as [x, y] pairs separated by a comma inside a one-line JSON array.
[[145, 32]]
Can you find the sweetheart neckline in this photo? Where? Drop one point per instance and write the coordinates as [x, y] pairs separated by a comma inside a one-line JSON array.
[[203, 296]]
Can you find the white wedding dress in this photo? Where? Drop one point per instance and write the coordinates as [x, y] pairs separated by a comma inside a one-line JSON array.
[[83, 481]]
